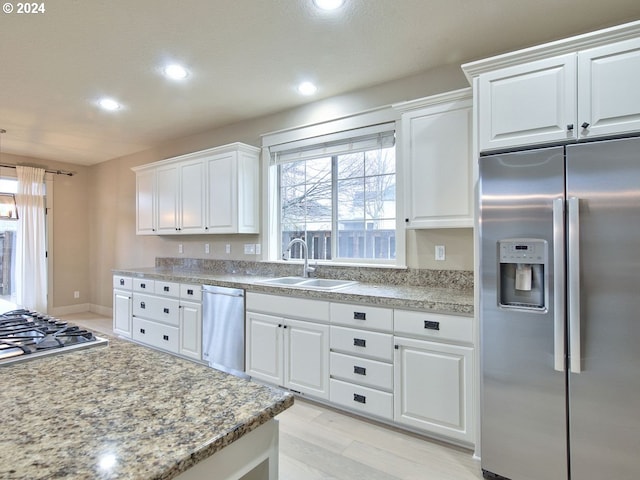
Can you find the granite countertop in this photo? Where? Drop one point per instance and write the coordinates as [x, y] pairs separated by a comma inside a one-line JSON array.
[[122, 412], [442, 300]]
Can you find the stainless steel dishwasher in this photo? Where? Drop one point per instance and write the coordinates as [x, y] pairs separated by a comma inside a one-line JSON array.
[[223, 328]]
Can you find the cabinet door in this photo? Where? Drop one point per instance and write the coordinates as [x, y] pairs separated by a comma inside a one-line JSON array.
[[191, 330], [433, 388], [222, 203], [264, 353], [528, 104], [306, 358], [438, 173], [122, 313], [192, 202], [167, 199], [608, 93], [145, 202]]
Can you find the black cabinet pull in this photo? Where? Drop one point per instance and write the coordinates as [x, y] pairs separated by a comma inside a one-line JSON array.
[[359, 316], [190, 291], [359, 370], [570, 127], [585, 125], [431, 325], [142, 305], [122, 281], [143, 285], [359, 342], [359, 398], [142, 330], [166, 289], [165, 337], [166, 310], [279, 325]]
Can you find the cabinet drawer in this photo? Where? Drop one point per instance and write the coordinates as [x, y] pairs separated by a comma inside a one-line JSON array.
[[156, 334], [290, 307], [122, 283], [359, 342], [168, 289], [362, 399], [143, 285], [156, 308], [193, 293], [363, 371], [433, 326], [362, 316]]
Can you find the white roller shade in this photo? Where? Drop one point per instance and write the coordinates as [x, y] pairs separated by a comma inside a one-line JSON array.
[[350, 141]]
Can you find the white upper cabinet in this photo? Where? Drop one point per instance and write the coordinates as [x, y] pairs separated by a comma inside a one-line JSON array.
[[570, 90], [608, 93], [211, 191], [527, 104], [436, 152]]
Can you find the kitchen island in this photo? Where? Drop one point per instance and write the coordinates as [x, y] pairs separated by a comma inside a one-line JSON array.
[[129, 412]]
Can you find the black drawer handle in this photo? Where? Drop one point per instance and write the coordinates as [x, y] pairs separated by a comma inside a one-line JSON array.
[[165, 337], [143, 285], [359, 342], [166, 289], [122, 281], [190, 292], [166, 310], [142, 305], [359, 398], [359, 370], [431, 325], [359, 316], [142, 331]]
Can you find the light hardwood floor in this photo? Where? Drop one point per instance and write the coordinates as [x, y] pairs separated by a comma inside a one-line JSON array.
[[318, 442]]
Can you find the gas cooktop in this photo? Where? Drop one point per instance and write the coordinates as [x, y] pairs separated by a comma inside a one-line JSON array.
[[25, 335]]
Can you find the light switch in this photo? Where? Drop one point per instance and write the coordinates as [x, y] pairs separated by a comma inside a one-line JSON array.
[[440, 254]]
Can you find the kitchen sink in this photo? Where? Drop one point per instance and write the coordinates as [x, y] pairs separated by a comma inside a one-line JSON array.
[[310, 283]]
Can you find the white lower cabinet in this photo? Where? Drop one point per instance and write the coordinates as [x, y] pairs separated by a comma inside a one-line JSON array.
[[292, 353], [433, 380], [164, 315]]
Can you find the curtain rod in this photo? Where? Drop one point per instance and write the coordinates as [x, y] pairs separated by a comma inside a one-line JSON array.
[[57, 172]]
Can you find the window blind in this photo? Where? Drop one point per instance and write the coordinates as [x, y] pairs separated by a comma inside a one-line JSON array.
[[349, 141]]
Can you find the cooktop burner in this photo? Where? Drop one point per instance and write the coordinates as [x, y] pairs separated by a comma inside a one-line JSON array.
[[25, 335]]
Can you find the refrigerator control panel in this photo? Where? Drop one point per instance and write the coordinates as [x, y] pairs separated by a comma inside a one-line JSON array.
[[523, 251]]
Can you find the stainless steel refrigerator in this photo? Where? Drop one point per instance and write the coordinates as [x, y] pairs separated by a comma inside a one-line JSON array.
[[560, 312]]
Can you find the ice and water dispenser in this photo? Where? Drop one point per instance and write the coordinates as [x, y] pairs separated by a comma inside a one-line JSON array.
[[522, 273]]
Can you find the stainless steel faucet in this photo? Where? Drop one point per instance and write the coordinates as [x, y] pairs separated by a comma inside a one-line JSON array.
[[306, 269]]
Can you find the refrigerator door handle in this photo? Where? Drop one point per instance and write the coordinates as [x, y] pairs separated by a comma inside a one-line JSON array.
[[558, 286], [574, 285]]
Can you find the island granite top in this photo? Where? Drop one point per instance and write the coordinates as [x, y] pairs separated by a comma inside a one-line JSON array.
[[122, 412], [455, 301]]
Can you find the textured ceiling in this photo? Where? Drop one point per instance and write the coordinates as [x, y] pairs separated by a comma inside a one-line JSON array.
[[246, 58]]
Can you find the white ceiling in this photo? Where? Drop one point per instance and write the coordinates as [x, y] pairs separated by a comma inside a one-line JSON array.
[[246, 58]]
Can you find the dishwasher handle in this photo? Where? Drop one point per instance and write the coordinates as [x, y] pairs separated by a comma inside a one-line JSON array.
[[229, 292]]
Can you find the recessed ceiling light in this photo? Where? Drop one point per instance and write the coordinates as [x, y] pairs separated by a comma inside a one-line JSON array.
[[328, 4], [307, 88], [175, 71], [109, 104]]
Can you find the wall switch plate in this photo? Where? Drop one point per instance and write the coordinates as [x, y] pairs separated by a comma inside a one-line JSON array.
[[180, 248], [440, 253], [249, 249], [227, 248], [258, 249], [76, 294], [206, 248]]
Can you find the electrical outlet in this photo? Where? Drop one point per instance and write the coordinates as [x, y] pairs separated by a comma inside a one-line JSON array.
[[206, 248], [76, 294], [249, 249], [180, 248], [440, 253], [227, 248]]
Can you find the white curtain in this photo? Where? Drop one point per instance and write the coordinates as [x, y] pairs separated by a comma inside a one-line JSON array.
[[31, 263]]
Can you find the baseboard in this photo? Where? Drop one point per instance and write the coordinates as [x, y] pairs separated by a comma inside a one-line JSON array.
[[80, 308]]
